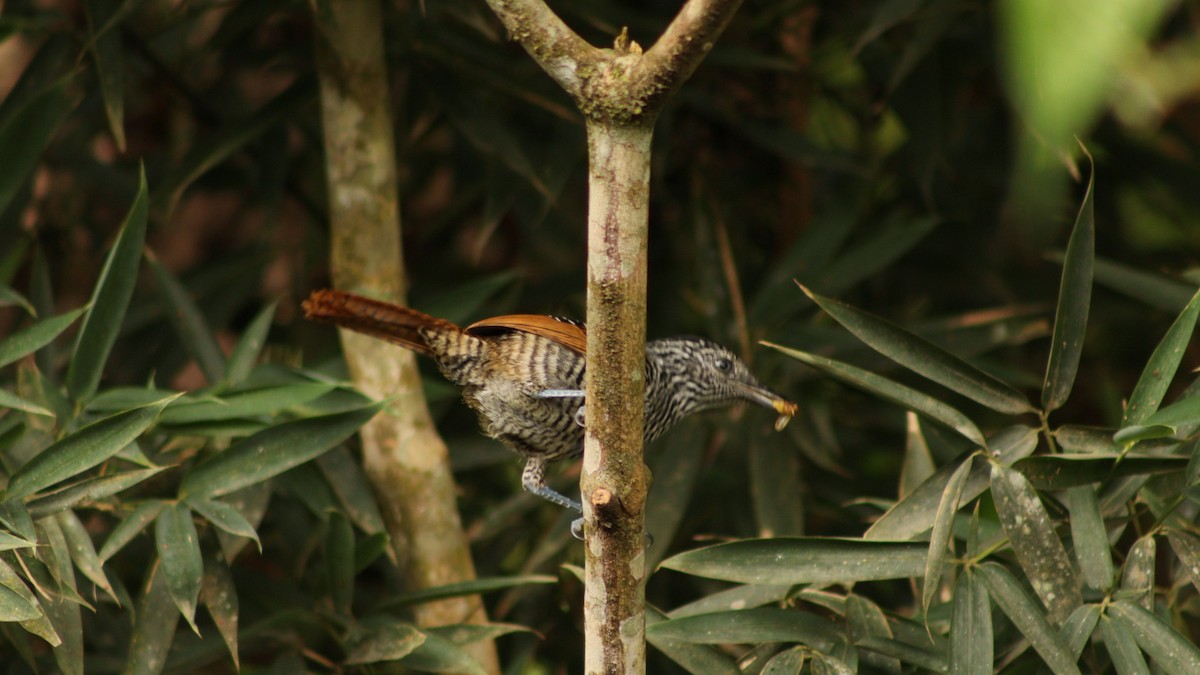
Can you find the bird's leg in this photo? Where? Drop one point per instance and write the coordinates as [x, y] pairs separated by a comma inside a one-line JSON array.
[[580, 415], [533, 479]]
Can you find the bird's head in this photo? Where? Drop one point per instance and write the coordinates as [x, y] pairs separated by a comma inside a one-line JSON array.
[[693, 374]]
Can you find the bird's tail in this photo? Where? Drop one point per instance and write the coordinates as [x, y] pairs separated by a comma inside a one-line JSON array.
[[384, 320]]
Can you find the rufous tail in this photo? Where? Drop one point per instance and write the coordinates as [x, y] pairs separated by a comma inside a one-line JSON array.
[[384, 320]]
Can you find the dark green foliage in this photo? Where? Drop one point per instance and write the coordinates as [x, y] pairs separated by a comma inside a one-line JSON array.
[[166, 455]]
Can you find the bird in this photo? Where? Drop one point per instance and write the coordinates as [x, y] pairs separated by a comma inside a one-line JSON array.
[[523, 375]]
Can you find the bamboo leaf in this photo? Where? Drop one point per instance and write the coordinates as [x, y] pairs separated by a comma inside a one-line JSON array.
[[765, 624], [382, 640], [1160, 370], [925, 358], [1137, 578], [83, 449], [24, 133], [129, 528], [17, 602], [109, 55], [1171, 651], [189, 323], [219, 595], [694, 658], [88, 490], [939, 539], [911, 399], [339, 562], [13, 402], [803, 560], [1074, 301], [1025, 613], [462, 588], [1187, 547], [245, 354], [247, 403], [36, 336], [83, 552], [181, 564], [110, 300], [1090, 537], [271, 452], [1038, 548], [971, 627], [153, 626], [1061, 472], [1123, 649], [225, 517]]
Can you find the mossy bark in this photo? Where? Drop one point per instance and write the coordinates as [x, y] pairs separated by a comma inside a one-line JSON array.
[[403, 455]]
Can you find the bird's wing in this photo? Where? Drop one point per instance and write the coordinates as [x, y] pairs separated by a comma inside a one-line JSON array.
[[568, 333]]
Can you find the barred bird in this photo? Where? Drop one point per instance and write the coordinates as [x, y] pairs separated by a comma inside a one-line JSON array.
[[523, 375]]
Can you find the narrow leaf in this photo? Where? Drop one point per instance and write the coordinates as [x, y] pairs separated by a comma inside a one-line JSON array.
[[247, 403], [110, 300], [918, 402], [24, 133], [382, 640], [765, 624], [17, 602], [339, 562], [36, 336], [1074, 301], [1160, 370], [225, 517], [109, 54], [1060, 472], [1187, 548], [694, 658], [939, 539], [181, 564], [1137, 578], [83, 552], [245, 353], [14, 402], [1090, 537], [925, 358], [1038, 548], [1171, 651], [190, 324], [83, 449], [1123, 649], [130, 527], [971, 627], [1027, 616], [153, 627], [219, 595], [88, 490], [271, 452], [459, 589], [802, 560]]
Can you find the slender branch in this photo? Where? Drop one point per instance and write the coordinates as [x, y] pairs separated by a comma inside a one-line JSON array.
[[685, 43], [564, 55]]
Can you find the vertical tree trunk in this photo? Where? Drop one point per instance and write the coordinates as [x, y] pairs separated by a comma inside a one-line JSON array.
[[405, 459]]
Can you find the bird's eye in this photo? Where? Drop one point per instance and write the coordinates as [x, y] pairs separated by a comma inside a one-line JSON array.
[[724, 365]]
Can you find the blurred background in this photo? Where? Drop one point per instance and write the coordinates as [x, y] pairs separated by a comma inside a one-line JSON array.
[[915, 158]]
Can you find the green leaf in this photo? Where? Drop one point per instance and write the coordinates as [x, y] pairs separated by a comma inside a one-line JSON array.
[[1090, 537], [918, 461], [1187, 547], [693, 657], [925, 358], [247, 403], [36, 336], [765, 624], [918, 402], [463, 588], [1123, 649], [11, 298], [83, 449], [439, 655], [24, 133], [1171, 651], [873, 252], [382, 639], [225, 517], [1153, 290], [1074, 301], [88, 490], [180, 560], [1137, 578], [803, 560], [271, 452], [787, 662], [17, 602], [110, 300], [1039, 550], [1079, 627], [109, 55], [915, 514], [739, 597], [939, 539], [190, 323], [898, 651], [339, 562], [219, 595], [153, 626], [1061, 472], [1156, 377], [1180, 413], [83, 552], [9, 542], [245, 353], [354, 493], [14, 402], [1027, 616], [129, 528], [971, 627]]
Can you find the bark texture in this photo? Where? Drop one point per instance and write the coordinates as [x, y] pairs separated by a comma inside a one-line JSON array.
[[403, 455], [619, 91]]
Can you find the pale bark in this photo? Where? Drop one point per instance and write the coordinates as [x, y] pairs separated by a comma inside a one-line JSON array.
[[403, 456], [619, 91]]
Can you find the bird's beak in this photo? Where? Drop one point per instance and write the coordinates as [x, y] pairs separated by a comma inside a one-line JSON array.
[[768, 399]]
